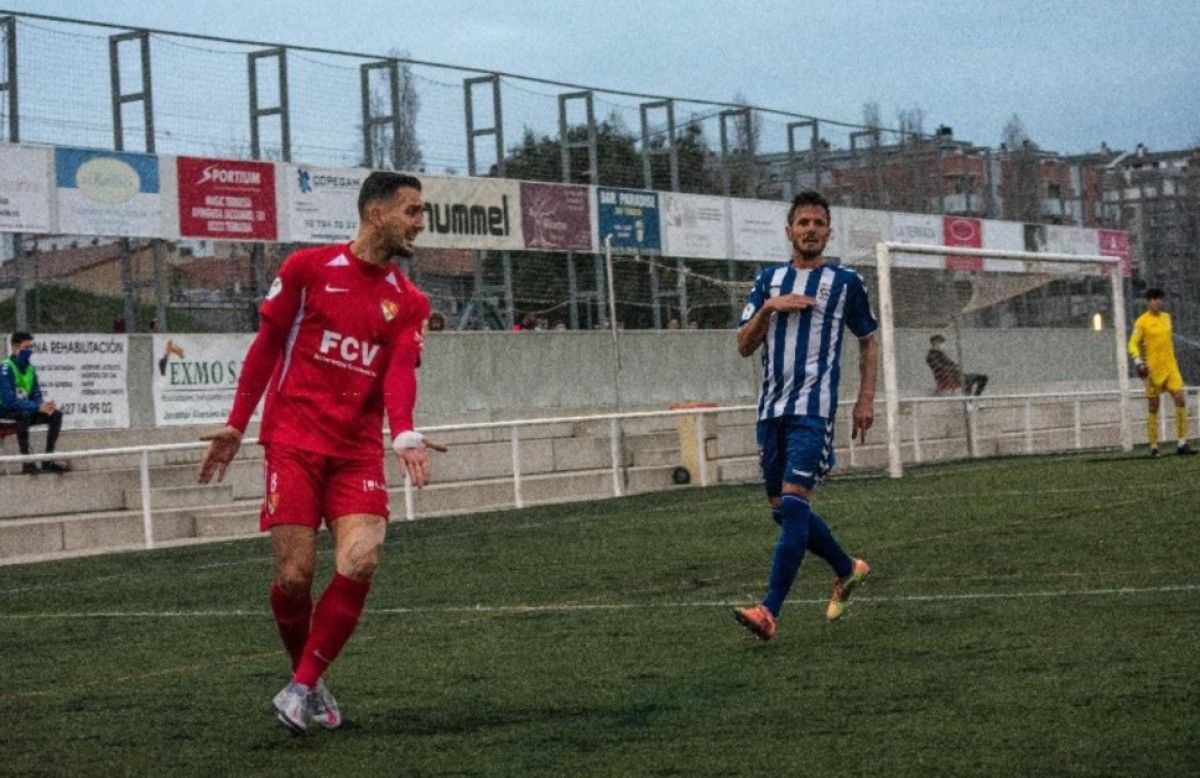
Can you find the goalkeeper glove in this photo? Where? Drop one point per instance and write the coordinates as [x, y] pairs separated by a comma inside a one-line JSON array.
[[1142, 370]]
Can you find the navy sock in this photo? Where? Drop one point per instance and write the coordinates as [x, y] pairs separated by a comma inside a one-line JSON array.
[[789, 550], [822, 543]]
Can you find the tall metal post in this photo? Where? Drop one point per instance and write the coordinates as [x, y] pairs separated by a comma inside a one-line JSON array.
[[742, 115], [370, 120], [128, 286], [794, 158], [484, 293], [145, 95], [649, 150], [473, 132], [158, 250], [8, 26], [280, 109], [566, 147]]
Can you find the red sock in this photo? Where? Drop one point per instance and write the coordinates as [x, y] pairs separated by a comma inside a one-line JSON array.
[[333, 621], [292, 616]]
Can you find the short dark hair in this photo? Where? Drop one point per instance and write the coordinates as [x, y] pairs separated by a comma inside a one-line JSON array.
[[936, 339], [20, 337], [381, 185], [809, 197], [1154, 293]]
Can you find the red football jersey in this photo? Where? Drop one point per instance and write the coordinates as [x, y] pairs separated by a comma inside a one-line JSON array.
[[354, 334]]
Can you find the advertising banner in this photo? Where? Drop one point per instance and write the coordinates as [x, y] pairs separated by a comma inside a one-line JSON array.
[[1072, 240], [322, 203], [85, 376], [1115, 243], [966, 232], [856, 231], [107, 193], [1003, 236], [757, 230], [24, 189], [556, 217], [695, 226], [922, 230], [471, 213], [226, 199], [195, 377], [631, 217]]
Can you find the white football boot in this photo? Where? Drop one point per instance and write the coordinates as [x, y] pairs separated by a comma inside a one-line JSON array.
[[291, 707], [323, 708]]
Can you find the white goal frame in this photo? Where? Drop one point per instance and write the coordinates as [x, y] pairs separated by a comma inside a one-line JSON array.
[[887, 327]]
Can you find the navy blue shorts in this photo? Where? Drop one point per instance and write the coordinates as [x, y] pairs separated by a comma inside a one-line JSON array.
[[795, 449]]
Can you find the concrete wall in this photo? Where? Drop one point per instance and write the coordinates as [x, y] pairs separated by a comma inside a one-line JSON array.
[[477, 376]]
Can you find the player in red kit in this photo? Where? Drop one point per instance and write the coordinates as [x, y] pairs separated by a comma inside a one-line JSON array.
[[338, 346]]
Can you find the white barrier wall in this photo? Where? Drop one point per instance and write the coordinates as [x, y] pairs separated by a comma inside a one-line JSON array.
[[475, 376]]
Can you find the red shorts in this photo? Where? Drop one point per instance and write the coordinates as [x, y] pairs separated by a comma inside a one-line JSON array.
[[302, 487]]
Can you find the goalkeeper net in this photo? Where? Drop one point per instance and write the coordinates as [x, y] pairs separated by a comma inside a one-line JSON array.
[[988, 353]]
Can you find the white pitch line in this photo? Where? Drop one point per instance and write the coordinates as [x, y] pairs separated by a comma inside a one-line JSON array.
[[579, 607]]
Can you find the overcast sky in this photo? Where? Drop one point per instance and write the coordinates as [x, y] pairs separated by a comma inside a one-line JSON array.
[[1077, 73]]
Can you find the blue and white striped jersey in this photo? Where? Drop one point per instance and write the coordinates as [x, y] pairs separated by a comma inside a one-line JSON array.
[[802, 349]]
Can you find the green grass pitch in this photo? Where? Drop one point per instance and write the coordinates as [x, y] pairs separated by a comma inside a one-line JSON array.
[[1024, 617]]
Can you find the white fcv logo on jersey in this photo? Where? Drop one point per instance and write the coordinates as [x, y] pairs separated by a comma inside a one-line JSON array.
[[348, 347]]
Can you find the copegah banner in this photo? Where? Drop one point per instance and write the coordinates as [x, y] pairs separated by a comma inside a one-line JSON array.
[[322, 203]]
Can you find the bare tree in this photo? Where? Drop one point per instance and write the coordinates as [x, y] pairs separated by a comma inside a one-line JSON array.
[[1020, 185]]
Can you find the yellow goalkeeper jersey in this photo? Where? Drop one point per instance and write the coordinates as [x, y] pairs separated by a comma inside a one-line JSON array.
[[1151, 341]]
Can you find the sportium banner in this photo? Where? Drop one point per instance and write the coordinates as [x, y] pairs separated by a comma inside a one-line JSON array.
[[107, 193], [695, 226], [322, 203], [85, 377], [471, 213], [631, 217], [195, 377], [556, 217], [226, 199], [24, 189]]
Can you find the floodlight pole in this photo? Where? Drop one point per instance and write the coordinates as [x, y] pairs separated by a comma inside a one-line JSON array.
[[887, 333]]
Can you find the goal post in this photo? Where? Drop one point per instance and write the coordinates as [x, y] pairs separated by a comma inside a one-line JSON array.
[[1002, 292]]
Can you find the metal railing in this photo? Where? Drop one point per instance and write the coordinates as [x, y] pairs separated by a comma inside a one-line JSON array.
[[971, 404]]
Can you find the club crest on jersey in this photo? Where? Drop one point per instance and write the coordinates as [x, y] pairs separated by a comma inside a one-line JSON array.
[[823, 292], [389, 308]]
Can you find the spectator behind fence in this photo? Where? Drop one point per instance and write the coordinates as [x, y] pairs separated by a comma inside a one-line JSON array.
[[948, 377], [21, 400]]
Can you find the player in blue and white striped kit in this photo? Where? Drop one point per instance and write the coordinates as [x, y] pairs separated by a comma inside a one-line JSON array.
[[797, 312]]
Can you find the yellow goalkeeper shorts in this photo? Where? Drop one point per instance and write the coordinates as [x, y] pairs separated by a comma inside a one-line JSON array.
[[1159, 381]]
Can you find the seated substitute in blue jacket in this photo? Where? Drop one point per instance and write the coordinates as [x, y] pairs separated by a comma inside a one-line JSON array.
[[21, 401]]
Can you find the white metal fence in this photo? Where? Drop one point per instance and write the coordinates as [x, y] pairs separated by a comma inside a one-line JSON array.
[[911, 439]]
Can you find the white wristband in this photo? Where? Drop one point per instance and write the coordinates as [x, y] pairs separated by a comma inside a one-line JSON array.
[[406, 440]]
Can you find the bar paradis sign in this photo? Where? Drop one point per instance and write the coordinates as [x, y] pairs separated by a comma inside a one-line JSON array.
[[226, 199]]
